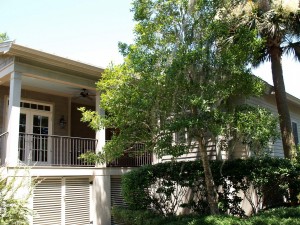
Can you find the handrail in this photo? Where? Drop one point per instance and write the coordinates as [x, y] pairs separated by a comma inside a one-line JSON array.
[[54, 150], [3, 133], [48, 135]]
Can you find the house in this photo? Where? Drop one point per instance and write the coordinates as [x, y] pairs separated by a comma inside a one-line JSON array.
[[40, 126], [275, 149]]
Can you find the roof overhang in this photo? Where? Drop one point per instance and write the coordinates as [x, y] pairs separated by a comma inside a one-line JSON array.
[[26, 54], [48, 73]]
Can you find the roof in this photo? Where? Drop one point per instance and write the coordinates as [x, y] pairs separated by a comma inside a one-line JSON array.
[[28, 54]]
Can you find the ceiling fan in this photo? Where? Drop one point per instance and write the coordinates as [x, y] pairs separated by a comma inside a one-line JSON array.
[[85, 94]]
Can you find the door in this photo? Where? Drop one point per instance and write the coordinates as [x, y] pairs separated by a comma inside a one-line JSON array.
[[34, 139]]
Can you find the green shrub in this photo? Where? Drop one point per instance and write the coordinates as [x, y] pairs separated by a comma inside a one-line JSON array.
[[280, 216], [163, 187], [14, 196], [135, 217]]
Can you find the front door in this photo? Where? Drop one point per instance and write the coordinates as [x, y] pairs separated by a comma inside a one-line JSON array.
[[34, 140]]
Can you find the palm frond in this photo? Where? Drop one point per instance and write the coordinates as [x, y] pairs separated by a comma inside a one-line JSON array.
[[293, 49], [293, 23], [262, 57]]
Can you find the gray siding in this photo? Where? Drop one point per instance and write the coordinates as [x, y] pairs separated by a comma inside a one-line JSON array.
[[269, 103]]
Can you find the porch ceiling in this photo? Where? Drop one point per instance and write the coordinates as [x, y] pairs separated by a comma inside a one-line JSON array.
[[55, 88], [47, 73]]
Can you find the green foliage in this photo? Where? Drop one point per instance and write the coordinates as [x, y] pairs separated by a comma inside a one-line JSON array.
[[3, 37], [256, 127], [132, 217], [13, 209], [280, 216], [176, 79], [163, 187], [270, 29]]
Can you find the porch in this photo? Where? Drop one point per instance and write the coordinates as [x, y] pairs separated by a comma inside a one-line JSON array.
[[40, 95], [65, 151]]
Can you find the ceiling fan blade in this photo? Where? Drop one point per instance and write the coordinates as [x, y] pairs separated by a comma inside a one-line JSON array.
[[76, 97], [88, 96]]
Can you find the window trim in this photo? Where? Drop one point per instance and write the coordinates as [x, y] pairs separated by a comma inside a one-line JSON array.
[[295, 132]]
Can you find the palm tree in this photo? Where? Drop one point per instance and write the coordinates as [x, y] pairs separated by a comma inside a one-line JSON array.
[[277, 25]]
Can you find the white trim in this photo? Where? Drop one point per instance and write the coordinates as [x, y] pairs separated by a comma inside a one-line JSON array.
[[21, 51], [63, 200], [92, 214], [31, 112], [296, 122], [13, 116]]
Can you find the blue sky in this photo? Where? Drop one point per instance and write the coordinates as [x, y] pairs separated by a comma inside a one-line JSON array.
[[89, 31]]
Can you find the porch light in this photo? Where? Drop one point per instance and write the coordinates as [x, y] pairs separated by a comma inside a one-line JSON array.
[[62, 122]]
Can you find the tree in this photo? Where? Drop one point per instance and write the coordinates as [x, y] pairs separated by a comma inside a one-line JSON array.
[[277, 28], [175, 81]]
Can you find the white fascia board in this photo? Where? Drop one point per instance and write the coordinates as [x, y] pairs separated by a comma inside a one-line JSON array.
[[293, 99], [51, 59]]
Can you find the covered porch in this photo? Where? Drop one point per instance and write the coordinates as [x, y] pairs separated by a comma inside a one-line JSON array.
[[40, 94]]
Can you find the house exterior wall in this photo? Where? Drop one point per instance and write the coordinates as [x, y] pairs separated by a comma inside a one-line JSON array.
[[242, 151], [60, 107], [194, 153], [78, 128], [268, 102]]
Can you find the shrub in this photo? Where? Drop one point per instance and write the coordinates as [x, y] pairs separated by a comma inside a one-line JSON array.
[[280, 216], [164, 187], [134, 217], [13, 208]]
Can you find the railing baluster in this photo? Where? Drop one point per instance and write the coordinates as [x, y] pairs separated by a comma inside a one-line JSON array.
[[64, 150]]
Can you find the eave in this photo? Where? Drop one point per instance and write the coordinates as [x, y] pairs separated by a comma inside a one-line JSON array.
[[33, 56]]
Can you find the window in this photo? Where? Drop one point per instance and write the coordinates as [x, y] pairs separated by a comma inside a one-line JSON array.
[[180, 137], [295, 132]]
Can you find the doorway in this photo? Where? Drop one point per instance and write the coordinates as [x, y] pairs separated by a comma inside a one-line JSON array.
[[35, 129]]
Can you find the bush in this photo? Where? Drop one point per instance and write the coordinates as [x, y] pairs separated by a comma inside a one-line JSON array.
[[13, 208], [280, 216], [134, 217], [164, 187]]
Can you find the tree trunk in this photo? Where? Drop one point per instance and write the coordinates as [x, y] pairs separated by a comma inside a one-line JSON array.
[[282, 106], [209, 181]]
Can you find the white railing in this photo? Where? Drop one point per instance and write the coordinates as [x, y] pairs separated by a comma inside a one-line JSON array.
[[53, 150]]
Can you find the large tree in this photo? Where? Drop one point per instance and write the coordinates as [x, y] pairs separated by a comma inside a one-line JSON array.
[[277, 27], [175, 82]]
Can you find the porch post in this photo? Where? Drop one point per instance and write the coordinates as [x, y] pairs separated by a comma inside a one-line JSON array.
[[100, 134], [13, 120]]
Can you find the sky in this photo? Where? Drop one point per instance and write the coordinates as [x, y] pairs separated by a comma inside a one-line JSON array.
[[89, 31]]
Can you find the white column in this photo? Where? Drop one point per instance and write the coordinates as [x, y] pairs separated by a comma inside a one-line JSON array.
[[102, 199], [100, 134], [13, 116]]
